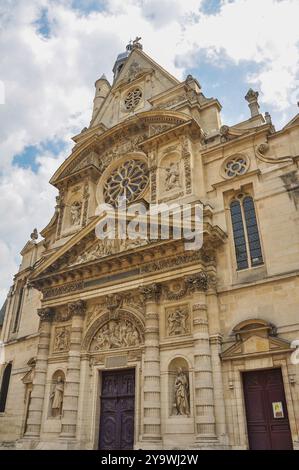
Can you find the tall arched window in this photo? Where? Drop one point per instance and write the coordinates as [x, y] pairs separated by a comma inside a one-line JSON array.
[[246, 235], [4, 387]]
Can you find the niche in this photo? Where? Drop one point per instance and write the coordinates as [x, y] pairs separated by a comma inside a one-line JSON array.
[[179, 388], [56, 395]]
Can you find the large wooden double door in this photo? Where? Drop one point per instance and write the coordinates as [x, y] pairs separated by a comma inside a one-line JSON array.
[[117, 410], [266, 410]]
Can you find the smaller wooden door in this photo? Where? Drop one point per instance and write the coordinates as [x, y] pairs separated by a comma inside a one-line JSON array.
[[117, 410], [266, 410]]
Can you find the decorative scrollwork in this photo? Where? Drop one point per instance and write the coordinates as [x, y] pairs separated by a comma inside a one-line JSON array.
[[132, 99]]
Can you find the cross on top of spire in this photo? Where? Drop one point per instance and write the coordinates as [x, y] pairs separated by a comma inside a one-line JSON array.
[[134, 44]]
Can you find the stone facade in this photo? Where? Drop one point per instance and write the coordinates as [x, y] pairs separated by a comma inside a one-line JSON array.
[[190, 323]]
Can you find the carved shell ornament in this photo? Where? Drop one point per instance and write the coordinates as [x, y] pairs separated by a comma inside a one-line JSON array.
[[127, 181]]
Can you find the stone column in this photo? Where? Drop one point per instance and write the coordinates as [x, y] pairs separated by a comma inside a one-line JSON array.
[[72, 382], [152, 392], [204, 394], [216, 342], [35, 412]]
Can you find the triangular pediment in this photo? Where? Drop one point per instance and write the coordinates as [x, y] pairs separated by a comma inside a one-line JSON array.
[[138, 63], [293, 122], [256, 345], [83, 248], [139, 72]]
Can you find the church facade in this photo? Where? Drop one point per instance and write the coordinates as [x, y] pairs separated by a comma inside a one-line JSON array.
[[123, 343]]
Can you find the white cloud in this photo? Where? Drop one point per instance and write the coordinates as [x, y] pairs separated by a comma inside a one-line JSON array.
[[49, 81]]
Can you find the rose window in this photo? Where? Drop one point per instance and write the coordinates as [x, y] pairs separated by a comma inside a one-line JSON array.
[[235, 166], [132, 99], [127, 181]]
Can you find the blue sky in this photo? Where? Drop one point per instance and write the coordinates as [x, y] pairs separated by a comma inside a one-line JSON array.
[[52, 51]]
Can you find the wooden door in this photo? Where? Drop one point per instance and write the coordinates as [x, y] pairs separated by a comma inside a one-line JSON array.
[[266, 411], [117, 410]]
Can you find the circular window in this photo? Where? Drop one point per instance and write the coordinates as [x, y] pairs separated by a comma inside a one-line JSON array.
[[235, 166], [132, 99], [127, 181]]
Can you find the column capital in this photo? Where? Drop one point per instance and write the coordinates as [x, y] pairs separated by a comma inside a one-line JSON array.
[[197, 282], [46, 314], [216, 339], [77, 308], [151, 292]]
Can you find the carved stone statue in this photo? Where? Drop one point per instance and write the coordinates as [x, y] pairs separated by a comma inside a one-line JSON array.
[[57, 398], [181, 393], [172, 179], [177, 321], [76, 209]]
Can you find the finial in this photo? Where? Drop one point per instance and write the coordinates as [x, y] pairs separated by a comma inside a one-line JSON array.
[[268, 118], [34, 235], [252, 98], [135, 44]]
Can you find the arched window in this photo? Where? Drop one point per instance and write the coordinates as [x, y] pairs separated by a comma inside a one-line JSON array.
[[245, 230], [4, 387], [19, 302]]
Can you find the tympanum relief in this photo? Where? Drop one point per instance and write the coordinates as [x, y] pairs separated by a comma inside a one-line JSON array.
[[116, 334]]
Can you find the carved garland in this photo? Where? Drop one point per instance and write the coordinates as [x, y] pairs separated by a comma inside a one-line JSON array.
[[186, 155], [85, 203]]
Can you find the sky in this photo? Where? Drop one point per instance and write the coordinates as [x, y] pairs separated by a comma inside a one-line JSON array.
[[52, 51]]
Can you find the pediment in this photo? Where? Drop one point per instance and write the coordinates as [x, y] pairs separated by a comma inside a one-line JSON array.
[[139, 71], [97, 152], [83, 248], [256, 345], [293, 122], [138, 64]]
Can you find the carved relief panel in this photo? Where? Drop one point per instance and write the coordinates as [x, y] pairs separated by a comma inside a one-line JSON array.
[[170, 175], [74, 208], [177, 320], [61, 342]]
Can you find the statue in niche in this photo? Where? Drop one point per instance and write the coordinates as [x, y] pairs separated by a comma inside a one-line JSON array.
[[61, 339], [116, 334], [57, 398], [172, 179], [76, 209], [177, 321], [181, 393]]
